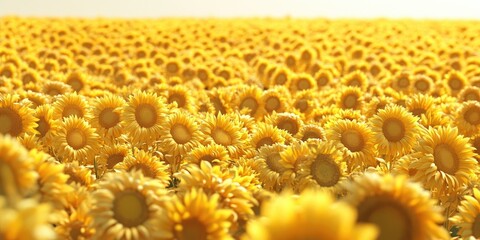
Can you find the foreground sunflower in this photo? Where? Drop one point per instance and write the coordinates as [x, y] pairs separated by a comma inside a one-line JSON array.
[[143, 116], [76, 140], [311, 215], [396, 131], [399, 208], [125, 206], [445, 159], [195, 216], [16, 118], [468, 216]]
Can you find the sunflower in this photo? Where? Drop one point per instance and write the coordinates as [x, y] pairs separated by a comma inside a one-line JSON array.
[[35, 98], [350, 98], [111, 155], [445, 159], [77, 224], [45, 124], [226, 130], [422, 84], [107, 112], [195, 215], [215, 180], [181, 96], [126, 205], [79, 176], [324, 168], [402, 81], [399, 208], [467, 118], [18, 177], [301, 82], [214, 153], [71, 104], [249, 101], [148, 164], [143, 116], [55, 88], [290, 122], [323, 78], [16, 118], [266, 135], [355, 79], [52, 186], [310, 131], [77, 81], [270, 167], [305, 102], [180, 133], [311, 215], [276, 99], [396, 130], [469, 93], [455, 81], [76, 140], [355, 140], [468, 216], [26, 220], [281, 76]]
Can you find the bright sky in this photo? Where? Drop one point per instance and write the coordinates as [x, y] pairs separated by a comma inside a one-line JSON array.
[[464, 9]]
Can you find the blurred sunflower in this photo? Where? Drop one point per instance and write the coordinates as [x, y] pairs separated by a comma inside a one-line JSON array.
[[126, 205], [468, 216], [276, 99], [467, 119], [71, 104], [214, 153], [16, 118], [350, 98], [399, 208]]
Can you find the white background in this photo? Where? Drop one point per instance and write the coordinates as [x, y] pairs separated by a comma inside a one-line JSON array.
[[460, 9]]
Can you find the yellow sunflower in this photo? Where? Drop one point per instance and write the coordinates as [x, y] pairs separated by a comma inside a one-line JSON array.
[[195, 215], [111, 155], [310, 131], [469, 93], [55, 88], [445, 159], [355, 79], [79, 176], [311, 215], [270, 167], [77, 80], [249, 101], [422, 84], [148, 164], [126, 206], [18, 177], [468, 216], [226, 130], [276, 99], [467, 119], [302, 81], [290, 122], [180, 133], [46, 124], [350, 98], [323, 78], [214, 153], [402, 81], [324, 168], [143, 116], [399, 208], [455, 81], [71, 104], [16, 118], [266, 135], [76, 140], [107, 113], [77, 224], [355, 140], [181, 96], [396, 131]]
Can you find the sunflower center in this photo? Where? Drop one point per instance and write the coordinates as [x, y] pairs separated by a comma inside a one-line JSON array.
[[445, 158], [192, 229], [221, 137], [72, 110], [355, 82], [272, 103], [302, 105], [180, 133], [76, 84], [472, 115], [264, 141], [322, 81], [43, 126], [113, 159], [108, 118], [311, 134], [353, 140], [476, 227], [76, 230], [130, 208], [303, 84], [471, 96], [392, 221], [208, 158], [178, 98], [455, 84], [403, 82], [10, 122], [250, 103], [422, 85], [418, 112], [288, 125], [393, 130], [273, 162], [147, 171], [76, 139], [281, 79], [325, 171], [146, 115], [350, 101]]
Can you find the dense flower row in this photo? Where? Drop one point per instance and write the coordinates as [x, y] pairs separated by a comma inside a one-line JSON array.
[[239, 129]]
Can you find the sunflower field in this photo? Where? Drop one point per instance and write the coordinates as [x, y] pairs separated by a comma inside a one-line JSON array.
[[239, 129]]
